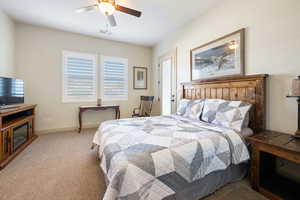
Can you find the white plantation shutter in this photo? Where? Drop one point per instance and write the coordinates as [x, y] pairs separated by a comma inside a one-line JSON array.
[[17, 89], [79, 77], [114, 78]]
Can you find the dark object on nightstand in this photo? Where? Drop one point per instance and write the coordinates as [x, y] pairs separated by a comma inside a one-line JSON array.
[[267, 147], [145, 108], [296, 94]]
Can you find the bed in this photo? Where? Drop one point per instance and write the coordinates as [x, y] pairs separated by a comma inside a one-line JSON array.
[[175, 157]]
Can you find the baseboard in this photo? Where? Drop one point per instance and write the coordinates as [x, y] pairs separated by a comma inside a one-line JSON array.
[[68, 129]]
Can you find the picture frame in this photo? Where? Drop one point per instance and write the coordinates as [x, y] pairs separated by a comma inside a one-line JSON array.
[[222, 57], [140, 75]]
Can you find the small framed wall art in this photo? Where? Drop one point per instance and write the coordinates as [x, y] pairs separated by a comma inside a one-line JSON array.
[[140, 78]]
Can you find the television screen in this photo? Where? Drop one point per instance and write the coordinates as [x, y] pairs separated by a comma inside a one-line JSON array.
[[11, 91]]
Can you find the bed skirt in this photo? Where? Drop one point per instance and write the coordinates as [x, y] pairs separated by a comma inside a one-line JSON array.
[[209, 184]]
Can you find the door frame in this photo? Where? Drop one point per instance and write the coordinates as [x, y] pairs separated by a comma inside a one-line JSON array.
[[173, 56]]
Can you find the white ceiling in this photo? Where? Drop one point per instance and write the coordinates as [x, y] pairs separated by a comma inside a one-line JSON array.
[[159, 17]]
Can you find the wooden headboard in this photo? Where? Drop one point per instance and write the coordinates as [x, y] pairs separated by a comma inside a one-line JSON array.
[[239, 88]]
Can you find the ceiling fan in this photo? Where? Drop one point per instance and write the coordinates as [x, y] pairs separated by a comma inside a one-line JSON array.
[[108, 8]]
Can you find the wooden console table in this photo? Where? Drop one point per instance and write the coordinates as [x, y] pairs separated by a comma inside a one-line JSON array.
[[82, 109]]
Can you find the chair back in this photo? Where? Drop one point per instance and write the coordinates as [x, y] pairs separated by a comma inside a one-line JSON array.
[[146, 105]]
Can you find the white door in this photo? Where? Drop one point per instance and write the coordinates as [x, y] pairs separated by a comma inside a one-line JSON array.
[[168, 84]]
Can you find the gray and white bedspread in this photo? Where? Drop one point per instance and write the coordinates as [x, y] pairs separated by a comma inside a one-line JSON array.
[[154, 158]]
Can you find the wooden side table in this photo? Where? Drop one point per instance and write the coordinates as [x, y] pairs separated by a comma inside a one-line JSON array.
[[267, 147], [82, 109]]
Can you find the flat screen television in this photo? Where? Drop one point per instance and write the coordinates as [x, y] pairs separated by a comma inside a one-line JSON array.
[[11, 91]]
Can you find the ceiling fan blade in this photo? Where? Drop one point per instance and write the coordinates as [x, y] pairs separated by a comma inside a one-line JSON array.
[[112, 20], [87, 8], [128, 11]]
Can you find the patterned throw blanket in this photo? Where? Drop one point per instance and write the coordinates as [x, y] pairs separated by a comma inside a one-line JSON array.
[[153, 158]]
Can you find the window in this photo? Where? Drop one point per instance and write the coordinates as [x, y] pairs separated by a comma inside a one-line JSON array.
[[114, 78], [17, 88], [79, 77]]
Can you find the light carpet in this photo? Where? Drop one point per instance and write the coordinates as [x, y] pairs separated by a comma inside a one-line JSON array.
[[61, 166]]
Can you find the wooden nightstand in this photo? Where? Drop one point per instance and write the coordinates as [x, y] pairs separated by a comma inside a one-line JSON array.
[[267, 147]]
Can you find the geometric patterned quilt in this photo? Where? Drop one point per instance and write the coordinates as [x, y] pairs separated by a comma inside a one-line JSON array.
[[153, 158]]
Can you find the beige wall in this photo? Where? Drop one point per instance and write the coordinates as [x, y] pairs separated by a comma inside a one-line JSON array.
[[7, 45], [39, 63], [272, 47]]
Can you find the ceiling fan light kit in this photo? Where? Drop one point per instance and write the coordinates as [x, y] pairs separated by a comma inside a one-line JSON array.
[[108, 8]]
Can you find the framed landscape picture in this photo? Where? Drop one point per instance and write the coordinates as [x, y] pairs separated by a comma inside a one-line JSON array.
[[140, 78], [221, 57]]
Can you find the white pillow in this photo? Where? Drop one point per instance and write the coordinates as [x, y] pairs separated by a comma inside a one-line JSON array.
[[194, 109], [232, 114], [247, 132], [229, 114], [182, 106], [210, 109], [246, 120]]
